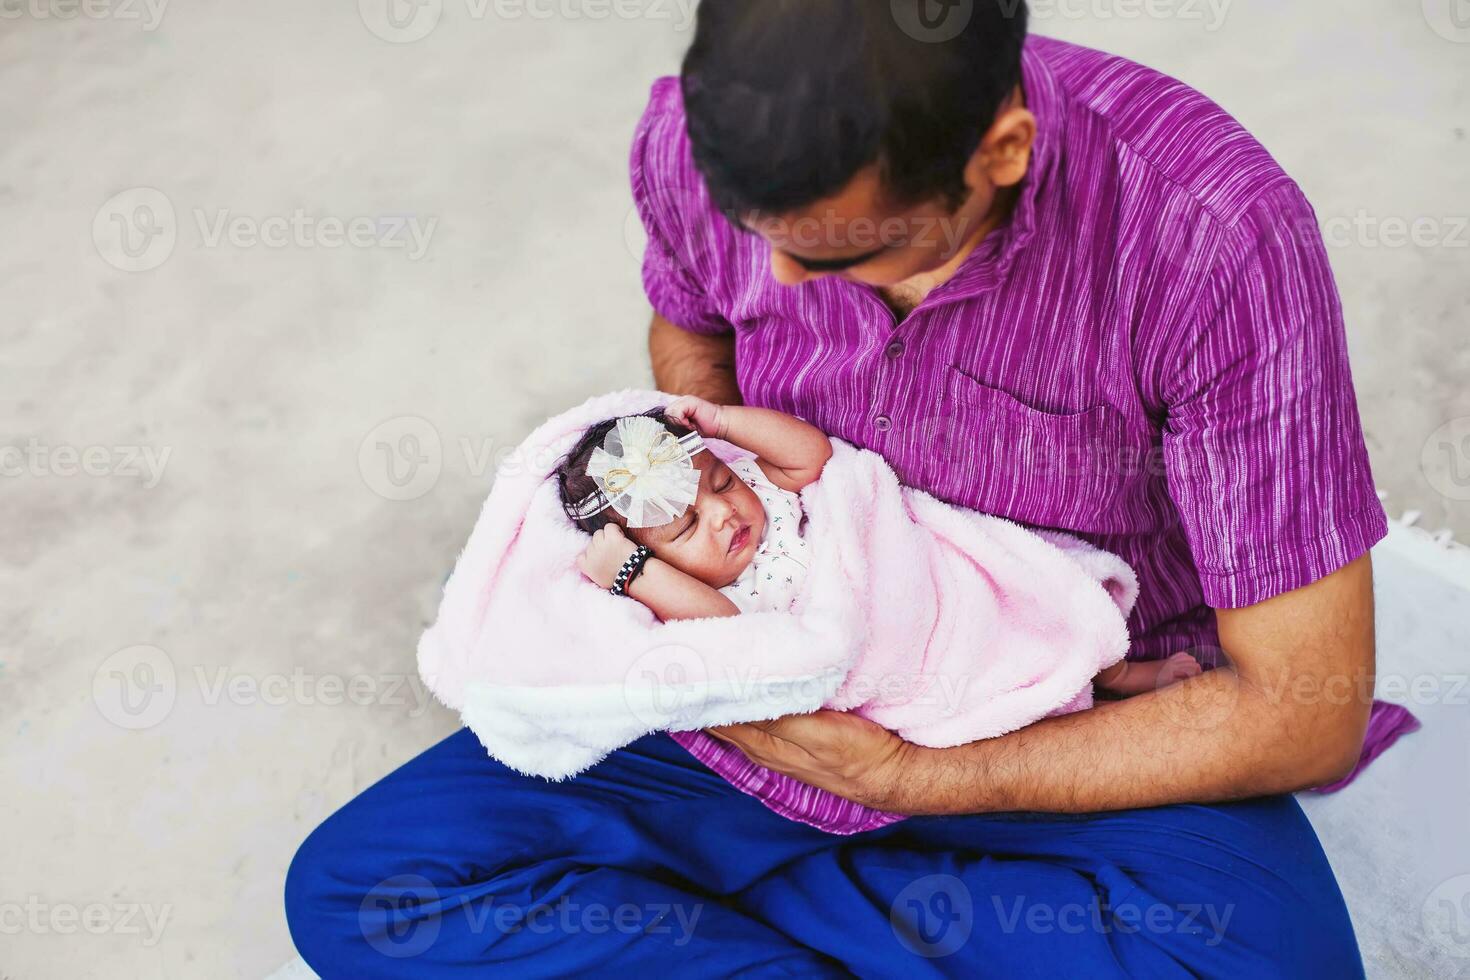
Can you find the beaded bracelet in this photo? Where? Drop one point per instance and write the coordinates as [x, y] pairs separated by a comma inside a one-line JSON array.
[[630, 570]]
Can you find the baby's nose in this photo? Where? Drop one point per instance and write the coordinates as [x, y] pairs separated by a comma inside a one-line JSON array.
[[726, 509]]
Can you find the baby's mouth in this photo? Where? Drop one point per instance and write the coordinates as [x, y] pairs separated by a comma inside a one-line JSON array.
[[739, 540]]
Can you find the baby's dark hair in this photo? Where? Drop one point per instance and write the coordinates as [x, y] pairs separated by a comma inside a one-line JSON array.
[[576, 486]]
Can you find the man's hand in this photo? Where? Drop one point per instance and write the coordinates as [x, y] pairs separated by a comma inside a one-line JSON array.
[[1288, 713], [603, 558], [832, 750]]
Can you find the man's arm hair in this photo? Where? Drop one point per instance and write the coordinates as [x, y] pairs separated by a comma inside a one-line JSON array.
[[1289, 713], [686, 363]]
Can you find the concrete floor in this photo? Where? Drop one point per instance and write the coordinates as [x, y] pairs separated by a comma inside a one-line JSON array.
[[246, 465]]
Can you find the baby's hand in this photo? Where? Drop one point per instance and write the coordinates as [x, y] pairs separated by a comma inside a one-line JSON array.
[[706, 418], [605, 555]]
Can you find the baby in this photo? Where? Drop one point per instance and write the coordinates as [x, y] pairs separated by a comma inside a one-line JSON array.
[[691, 537]]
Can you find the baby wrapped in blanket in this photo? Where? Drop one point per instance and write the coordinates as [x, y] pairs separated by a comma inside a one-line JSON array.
[[744, 566]]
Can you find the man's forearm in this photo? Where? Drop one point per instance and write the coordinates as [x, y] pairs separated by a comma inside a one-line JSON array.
[[1290, 715], [1207, 739], [687, 363]]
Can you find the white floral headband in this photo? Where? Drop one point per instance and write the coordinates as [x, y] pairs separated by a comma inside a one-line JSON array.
[[644, 472]]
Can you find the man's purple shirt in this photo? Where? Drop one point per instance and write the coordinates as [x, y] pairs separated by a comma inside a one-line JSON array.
[[1150, 354]]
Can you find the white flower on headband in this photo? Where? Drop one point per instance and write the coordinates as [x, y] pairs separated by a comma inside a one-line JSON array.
[[644, 472]]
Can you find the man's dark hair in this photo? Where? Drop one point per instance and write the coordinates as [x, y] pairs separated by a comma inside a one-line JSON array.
[[788, 99], [576, 486]]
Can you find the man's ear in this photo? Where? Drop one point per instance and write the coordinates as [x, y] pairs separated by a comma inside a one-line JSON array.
[[1004, 153]]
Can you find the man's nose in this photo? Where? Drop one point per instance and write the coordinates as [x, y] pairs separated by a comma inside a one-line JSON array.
[[787, 271]]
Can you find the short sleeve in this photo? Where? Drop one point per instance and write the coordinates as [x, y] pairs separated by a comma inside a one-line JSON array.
[[1263, 444], [674, 209]]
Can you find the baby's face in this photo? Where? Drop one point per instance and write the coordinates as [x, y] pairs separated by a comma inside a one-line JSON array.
[[717, 537]]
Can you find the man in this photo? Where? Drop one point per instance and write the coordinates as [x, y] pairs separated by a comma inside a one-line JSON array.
[[1046, 284]]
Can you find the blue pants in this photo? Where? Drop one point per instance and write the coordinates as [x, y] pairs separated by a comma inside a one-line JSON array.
[[454, 865]]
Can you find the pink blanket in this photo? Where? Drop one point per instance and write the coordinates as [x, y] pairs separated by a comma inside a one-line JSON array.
[[938, 623]]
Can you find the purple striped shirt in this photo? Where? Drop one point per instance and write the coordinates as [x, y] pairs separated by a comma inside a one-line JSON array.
[[1150, 355]]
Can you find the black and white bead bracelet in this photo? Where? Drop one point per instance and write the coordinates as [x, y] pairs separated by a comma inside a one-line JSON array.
[[630, 570]]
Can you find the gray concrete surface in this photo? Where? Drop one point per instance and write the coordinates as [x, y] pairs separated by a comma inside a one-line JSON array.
[[241, 453]]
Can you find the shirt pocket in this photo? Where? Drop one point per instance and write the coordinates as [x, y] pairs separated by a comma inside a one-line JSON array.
[[989, 451]]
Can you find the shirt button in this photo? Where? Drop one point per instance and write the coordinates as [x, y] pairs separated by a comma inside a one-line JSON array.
[[883, 423], [895, 350]]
